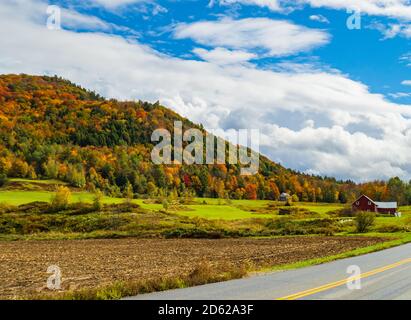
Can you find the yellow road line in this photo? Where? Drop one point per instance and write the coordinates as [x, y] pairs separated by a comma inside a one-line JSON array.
[[332, 285]]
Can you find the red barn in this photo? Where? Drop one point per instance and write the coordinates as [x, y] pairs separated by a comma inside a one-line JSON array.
[[365, 203]]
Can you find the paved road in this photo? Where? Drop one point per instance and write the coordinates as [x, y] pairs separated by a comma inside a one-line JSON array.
[[384, 275]]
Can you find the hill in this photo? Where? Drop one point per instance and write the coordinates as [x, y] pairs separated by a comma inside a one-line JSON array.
[[51, 128]]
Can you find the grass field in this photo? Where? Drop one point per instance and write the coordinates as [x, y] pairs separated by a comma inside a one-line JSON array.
[[211, 210], [19, 197], [204, 208], [208, 208]]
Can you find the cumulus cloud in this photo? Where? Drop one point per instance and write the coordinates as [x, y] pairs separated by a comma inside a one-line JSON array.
[[319, 18], [399, 95], [271, 37], [111, 4], [222, 56], [406, 58], [273, 5], [315, 121], [148, 7], [392, 30], [38, 12], [406, 83], [399, 9]]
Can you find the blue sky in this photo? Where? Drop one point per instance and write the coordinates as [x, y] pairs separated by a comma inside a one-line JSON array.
[[327, 100]]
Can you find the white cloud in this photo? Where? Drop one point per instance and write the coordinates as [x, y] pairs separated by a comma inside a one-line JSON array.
[[36, 11], [406, 58], [317, 120], [273, 37], [147, 7], [399, 95], [319, 18], [395, 9], [406, 83], [273, 5], [222, 56], [399, 9], [74, 20], [111, 4], [392, 30]]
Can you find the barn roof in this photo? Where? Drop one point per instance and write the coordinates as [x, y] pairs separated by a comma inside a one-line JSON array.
[[363, 195], [386, 205]]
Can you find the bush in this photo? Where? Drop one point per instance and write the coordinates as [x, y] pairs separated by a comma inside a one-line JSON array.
[[391, 228], [61, 199], [344, 212], [76, 177], [287, 211], [193, 233], [364, 220], [98, 200], [3, 179]]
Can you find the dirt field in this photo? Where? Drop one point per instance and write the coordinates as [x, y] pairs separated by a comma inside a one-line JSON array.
[[91, 263]]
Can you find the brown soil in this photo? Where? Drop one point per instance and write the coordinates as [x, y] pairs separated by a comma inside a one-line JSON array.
[[92, 263]]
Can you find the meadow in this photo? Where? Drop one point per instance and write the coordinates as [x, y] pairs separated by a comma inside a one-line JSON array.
[[23, 191], [27, 191]]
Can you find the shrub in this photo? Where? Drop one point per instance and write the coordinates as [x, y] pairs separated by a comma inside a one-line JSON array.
[[51, 169], [364, 220], [193, 233], [76, 177], [3, 179], [391, 228], [288, 210], [98, 200], [344, 212], [166, 204], [128, 194], [61, 199]]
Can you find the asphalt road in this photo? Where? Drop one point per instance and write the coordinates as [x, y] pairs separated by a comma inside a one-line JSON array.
[[385, 275]]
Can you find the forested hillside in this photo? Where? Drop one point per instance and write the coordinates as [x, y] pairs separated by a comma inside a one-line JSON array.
[[51, 128]]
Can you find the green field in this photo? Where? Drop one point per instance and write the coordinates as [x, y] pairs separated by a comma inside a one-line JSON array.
[[208, 208], [204, 208]]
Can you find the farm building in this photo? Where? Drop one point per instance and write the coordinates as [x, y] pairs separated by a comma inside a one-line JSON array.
[[284, 196], [365, 203]]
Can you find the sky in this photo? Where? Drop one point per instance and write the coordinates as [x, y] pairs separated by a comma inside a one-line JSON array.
[[327, 82]]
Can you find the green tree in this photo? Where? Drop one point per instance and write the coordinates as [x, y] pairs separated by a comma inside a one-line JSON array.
[[151, 189], [61, 199], [98, 200], [364, 220], [76, 177], [396, 190], [128, 193], [3, 179], [51, 169]]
